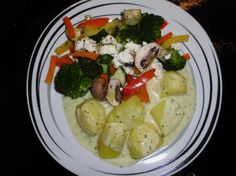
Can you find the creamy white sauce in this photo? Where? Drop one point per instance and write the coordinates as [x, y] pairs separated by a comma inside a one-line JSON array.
[[187, 102]]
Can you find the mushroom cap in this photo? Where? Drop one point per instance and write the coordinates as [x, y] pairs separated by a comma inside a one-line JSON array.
[[145, 56]]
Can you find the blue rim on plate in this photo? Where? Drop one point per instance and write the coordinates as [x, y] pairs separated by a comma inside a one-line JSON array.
[[46, 110]]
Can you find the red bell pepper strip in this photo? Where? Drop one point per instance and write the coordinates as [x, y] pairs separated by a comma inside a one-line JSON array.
[[96, 22], [134, 86], [129, 78], [142, 93]]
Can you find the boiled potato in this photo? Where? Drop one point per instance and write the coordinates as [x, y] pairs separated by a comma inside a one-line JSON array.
[[173, 84], [143, 140], [167, 114], [112, 140], [130, 112], [91, 116]]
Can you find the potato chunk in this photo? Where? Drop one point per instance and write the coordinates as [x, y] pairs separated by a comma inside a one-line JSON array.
[[167, 114], [112, 139], [91, 116], [143, 140], [130, 112], [173, 84]]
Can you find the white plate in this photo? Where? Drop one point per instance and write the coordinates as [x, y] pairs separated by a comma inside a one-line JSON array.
[[45, 105]]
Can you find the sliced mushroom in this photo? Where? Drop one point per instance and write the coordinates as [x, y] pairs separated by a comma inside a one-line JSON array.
[[114, 94], [145, 56], [99, 89]]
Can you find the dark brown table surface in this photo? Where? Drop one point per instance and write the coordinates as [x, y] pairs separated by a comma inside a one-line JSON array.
[[21, 25]]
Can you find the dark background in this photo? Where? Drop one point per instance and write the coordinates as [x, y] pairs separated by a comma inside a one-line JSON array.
[[22, 23]]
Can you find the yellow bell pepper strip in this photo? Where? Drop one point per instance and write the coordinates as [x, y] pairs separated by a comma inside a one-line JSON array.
[[175, 39], [68, 44], [69, 27], [164, 38], [95, 22], [51, 70]]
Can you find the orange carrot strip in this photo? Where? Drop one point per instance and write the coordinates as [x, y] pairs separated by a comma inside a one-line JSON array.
[[186, 56], [112, 69], [64, 60], [94, 22], [85, 54], [69, 27], [164, 25], [51, 70], [104, 76], [164, 38]]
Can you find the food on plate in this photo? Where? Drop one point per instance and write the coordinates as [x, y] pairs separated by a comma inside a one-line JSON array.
[[143, 140], [167, 114], [91, 116], [112, 140], [126, 85]]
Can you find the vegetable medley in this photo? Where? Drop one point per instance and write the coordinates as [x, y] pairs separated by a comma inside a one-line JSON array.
[[114, 60]]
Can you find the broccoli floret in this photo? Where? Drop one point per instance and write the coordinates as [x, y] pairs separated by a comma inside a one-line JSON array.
[[148, 30], [75, 80], [175, 62], [90, 67], [150, 27]]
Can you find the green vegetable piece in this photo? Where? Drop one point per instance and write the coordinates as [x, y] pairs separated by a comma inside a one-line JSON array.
[[121, 75], [75, 80], [175, 62], [104, 59], [98, 37], [148, 30]]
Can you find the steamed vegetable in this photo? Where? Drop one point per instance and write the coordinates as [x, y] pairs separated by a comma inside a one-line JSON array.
[[91, 116], [148, 30], [74, 80], [95, 22], [175, 39], [112, 140], [131, 16], [175, 62], [51, 70], [143, 140], [167, 114], [136, 86]]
